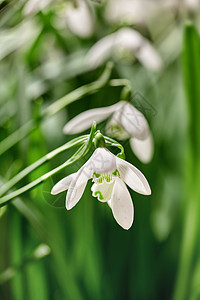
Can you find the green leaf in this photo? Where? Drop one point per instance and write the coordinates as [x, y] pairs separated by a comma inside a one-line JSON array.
[[191, 75]]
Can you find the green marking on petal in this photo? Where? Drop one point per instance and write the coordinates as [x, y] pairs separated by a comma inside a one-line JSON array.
[[100, 180], [108, 177], [116, 172], [99, 195], [97, 175]]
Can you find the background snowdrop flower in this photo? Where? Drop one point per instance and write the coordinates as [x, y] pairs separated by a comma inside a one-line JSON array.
[[125, 39], [109, 174], [78, 16], [33, 6], [192, 4], [133, 11], [126, 122], [79, 19]]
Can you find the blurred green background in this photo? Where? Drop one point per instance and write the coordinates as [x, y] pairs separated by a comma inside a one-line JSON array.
[[47, 252]]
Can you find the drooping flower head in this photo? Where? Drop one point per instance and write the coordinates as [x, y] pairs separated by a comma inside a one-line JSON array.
[[109, 174], [125, 40], [126, 122]]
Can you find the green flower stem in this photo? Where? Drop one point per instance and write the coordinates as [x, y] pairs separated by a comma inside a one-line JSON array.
[[120, 82], [79, 92], [6, 199], [58, 105], [82, 151], [76, 142], [112, 143], [17, 136], [190, 236], [126, 91], [188, 245]]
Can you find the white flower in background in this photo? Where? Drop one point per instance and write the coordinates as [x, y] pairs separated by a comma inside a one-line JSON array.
[[80, 19], [144, 11], [33, 6], [126, 122], [109, 174], [192, 4], [132, 11], [125, 39], [77, 15]]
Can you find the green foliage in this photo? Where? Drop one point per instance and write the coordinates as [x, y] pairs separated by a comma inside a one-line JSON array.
[[47, 252]]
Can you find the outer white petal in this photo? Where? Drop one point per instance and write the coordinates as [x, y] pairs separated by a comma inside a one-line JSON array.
[[63, 184], [122, 205], [109, 203], [102, 161], [124, 38], [101, 51], [134, 122], [133, 41], [129, 39], [149, 57], [84, 120], [79, 19], [133, 177], [143, 149], [77, 186]]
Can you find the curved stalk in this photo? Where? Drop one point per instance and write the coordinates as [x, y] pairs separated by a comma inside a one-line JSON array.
[[55, 107], [6, 187], [6, 199]]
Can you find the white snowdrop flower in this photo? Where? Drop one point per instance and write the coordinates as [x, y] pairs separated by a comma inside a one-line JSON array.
[[125, 122], [132, 11], [125, 39], [192, 4], [33, 6], [109, 174], [79, 19]]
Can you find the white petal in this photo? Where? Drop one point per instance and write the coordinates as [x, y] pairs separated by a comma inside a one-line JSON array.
[[109, 203], [102, 191], [84, 120], [124, 38], [134, 122], [114, 128], [63, 184], [143, 149], [129, 39], [122, 205], [102, 161], [133, 177], [77, 187], [133, 41], [79, 19], [149, 57], [101, 51]]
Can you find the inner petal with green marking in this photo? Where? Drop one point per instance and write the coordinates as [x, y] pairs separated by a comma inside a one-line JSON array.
[[103, 191], [100, 178]]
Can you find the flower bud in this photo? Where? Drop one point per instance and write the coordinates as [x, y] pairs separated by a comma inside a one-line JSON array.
[[99, 140]]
